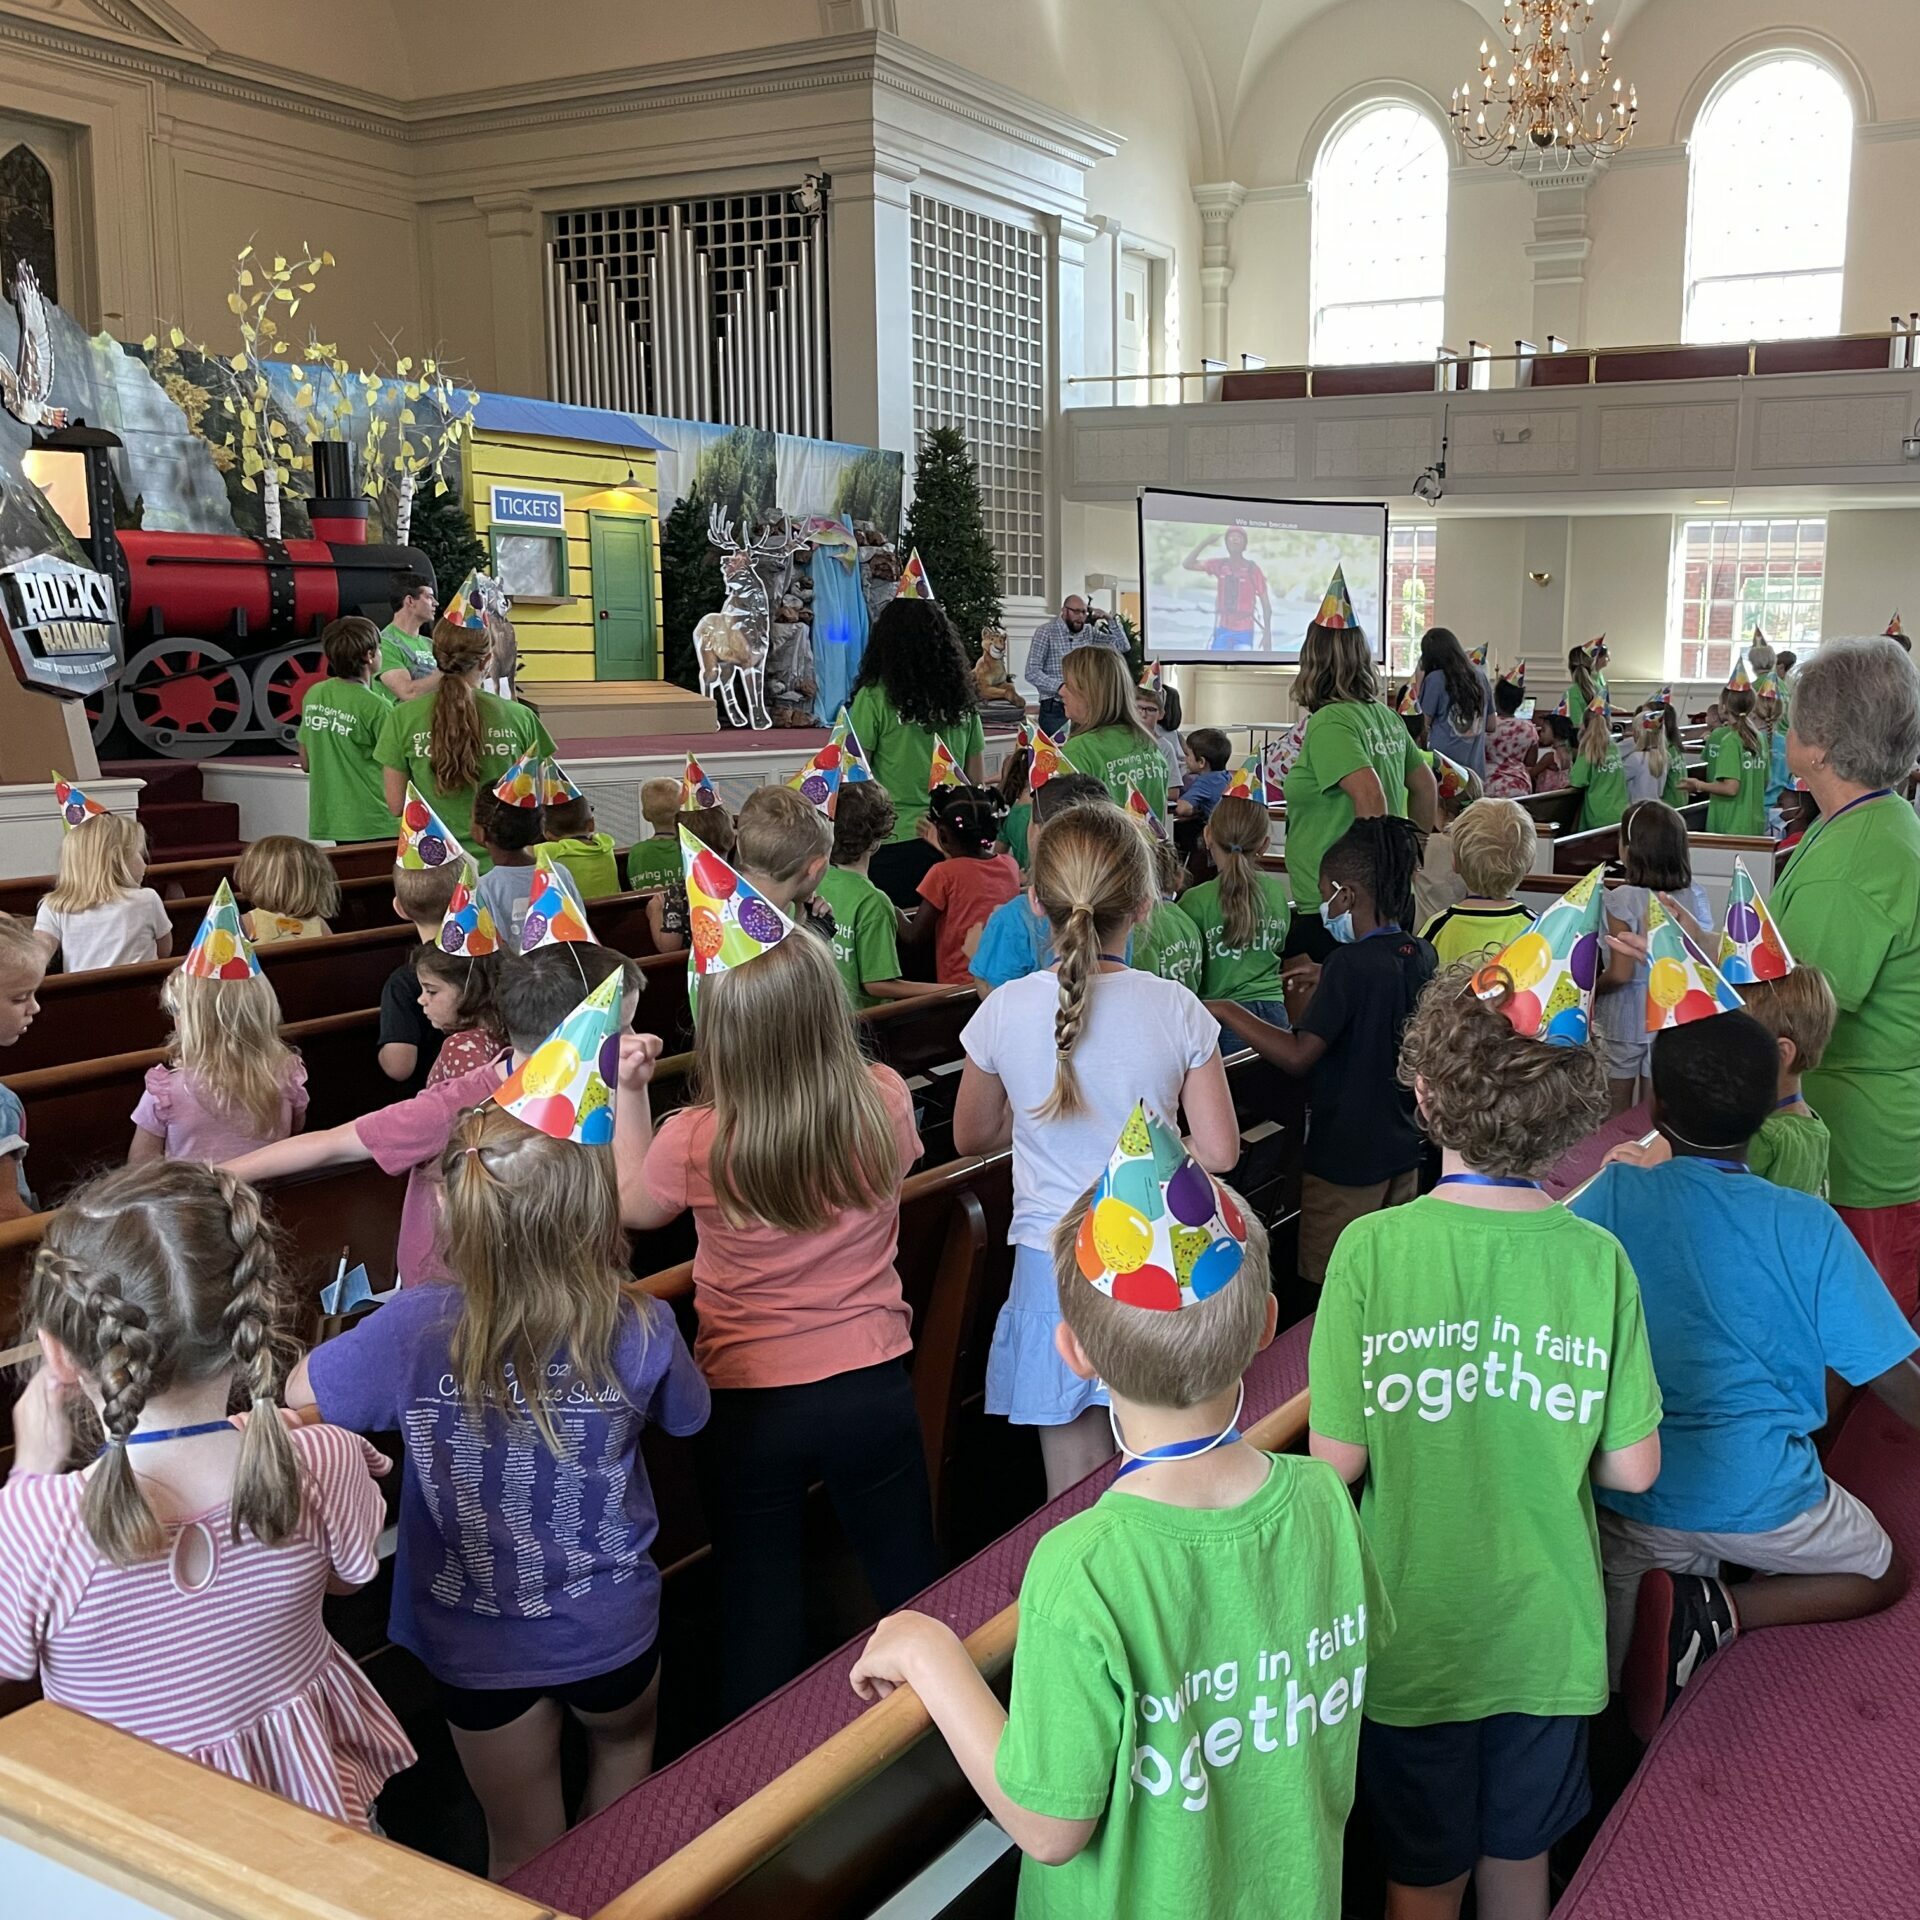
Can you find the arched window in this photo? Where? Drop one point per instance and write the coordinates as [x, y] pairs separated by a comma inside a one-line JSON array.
[[26, 220], [1380, 237], [1771, 159]]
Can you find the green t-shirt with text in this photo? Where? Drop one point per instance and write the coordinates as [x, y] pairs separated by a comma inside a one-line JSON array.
[[1168, 943], [866, 932], [1121, 757], [1239, 973], [340, 723], [901, 754], [1340, 739], [653, 862], [1792, 1150], [1603, 788], [507, 731], [1483, 1358], [1849, 904], [1193, 1680], [1727, 759]]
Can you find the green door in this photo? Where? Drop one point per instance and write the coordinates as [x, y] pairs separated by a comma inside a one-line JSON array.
[[621, 545]]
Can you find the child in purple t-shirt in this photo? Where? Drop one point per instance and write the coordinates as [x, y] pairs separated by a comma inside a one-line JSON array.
[[522, 1579]]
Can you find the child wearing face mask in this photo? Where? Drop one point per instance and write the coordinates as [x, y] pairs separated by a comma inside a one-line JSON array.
[[1363, 1145]]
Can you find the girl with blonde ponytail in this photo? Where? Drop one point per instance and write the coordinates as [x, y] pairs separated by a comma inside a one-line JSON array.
[[1738, 757], [457, 737], [521, 1577], [171, 1582], [1055, 1065]]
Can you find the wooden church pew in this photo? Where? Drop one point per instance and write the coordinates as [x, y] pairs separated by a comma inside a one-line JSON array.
[[175, 879]]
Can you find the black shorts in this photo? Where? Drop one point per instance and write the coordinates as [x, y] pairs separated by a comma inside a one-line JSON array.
[[1445, 1796], [485, 1709]]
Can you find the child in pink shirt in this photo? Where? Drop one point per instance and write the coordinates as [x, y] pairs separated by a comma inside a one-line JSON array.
[[971, 880], [794, 1182], [231, 1083], [172, 1587]]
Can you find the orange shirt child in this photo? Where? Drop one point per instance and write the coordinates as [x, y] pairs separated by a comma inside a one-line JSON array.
[[964, 892]]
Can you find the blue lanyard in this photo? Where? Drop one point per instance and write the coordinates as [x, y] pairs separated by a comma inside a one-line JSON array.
[[1483, 1180], [153, 1435], [1879, 793], [1792, 1100], [1177, 1450]]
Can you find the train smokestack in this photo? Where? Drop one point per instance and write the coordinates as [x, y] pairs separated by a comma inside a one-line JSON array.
[[338, 515]]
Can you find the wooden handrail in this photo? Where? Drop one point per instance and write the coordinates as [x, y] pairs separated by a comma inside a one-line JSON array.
[[738, 1841]]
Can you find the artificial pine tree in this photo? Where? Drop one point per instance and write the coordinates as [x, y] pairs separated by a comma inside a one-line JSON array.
[[691, 586], [946, 529], [443, 531]]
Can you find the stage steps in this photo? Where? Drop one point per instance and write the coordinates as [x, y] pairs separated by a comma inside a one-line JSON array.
[[181, 823]]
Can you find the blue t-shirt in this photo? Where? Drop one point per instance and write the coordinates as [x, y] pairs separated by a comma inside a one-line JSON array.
[[1751, 1292], [1203, 790], [13, 1140], [1015, 942], [1779, 778]]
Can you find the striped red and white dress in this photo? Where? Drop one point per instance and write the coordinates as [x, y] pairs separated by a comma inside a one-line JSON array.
[[240, 1673]]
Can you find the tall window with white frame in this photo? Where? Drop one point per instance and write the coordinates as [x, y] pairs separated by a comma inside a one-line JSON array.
[[1412, 551], [1379, 253], [1771, 161], [1731, 576]]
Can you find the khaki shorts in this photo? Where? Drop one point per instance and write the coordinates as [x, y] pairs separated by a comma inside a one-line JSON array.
[[1840, 1535], [1326, 1211]]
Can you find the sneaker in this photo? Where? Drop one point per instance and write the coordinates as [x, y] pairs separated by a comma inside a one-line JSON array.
[[1681, 1621]]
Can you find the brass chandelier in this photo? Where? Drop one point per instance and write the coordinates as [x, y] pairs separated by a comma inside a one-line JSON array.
[[1549, 103]]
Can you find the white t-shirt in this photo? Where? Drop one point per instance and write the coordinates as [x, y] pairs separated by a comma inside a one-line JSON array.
[[1140, 1039], [127, 928]]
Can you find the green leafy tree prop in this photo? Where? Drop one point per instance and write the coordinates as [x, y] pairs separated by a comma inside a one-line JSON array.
[[691, 586], [443, 531], [946, 529], [870, 490]]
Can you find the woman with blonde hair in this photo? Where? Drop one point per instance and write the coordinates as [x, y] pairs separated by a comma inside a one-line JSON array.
[[456, 738], [790, 1157], [98, 914], [292, 886], [1055, 1064], [1357, 762], [522, 1579], [1109, 740]]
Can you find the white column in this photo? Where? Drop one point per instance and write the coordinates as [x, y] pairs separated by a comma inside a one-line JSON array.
[[1559, 250], [869, 264], [1218, 201], [518, 272], [1068, 238]]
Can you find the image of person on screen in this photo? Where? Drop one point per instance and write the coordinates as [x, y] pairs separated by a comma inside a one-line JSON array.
[[1073, 626], [1240, 602]]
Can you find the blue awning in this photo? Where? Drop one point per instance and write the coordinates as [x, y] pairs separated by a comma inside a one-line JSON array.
[[553, 420]]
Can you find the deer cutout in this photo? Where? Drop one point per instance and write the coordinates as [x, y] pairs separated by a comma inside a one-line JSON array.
[[732, 644]]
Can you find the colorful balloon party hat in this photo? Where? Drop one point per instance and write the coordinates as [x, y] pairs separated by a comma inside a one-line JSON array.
[[1517, 677], [1159, 1231], [1403, 700], [844, 737], [840, 763], [1895, 631], [731, 921], [221, 949], [1150, 676], [464, 609], [1664, 698], [467, 927], [1044, 760], [1336, 609], [696, 790], [1766, 688], [1683, 985], [1249, 782], [519, 786], [1478, 656], [425, 839], [552, 917], [1739, 680], [1142, 809], [565, 1086], [1751, 944], [914, 584], [944, 769], [556, 786], [1452, 779], [1552, 968], [73, 804], [1563, 710]]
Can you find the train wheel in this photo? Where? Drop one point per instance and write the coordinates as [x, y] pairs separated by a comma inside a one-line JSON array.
[[280, 684], [178, 712]]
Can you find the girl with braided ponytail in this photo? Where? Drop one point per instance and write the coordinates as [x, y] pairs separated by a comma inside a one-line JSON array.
[[1055, 1064], [1363, 1148], [170, 1582]]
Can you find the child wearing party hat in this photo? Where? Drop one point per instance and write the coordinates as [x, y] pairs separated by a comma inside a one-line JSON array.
[[971, 882], [793, 1178], [711, 826], [1363, 1150], [1753, 1293], [1480, 1360], [509, 830], [423, 896], [229, 1083], [98, 914], [533, 994], [655, 861], [1208, 1558], [866, 924], [1241, 914], [456, 976], [573, 839], [534, 1371], [1016, 797], [1597, 773], [73, 804], [1738, 756]]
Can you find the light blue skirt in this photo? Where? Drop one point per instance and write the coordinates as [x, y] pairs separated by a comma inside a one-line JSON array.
[[1027, 1381]]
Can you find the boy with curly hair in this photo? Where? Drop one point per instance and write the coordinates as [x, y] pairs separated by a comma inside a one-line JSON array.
[[1480, 1361]]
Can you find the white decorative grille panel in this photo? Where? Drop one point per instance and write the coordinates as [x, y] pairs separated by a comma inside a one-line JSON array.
[[978, 329]]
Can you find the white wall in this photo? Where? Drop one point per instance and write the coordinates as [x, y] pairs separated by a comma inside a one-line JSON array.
[[1873, 570], [1618, 579]]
